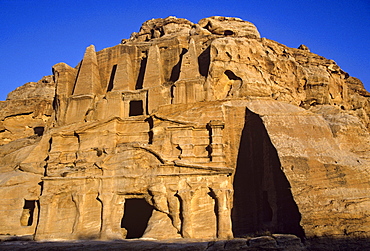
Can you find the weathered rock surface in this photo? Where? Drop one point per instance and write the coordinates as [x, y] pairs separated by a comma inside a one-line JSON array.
[[188, 131]]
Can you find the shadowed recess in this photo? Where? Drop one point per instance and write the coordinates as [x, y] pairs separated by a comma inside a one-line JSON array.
[[136, 216], [204, 61], [28, 213], [39, 130], [263, 201], [111, 80], [140, 78], [231, 75], [175, 73]]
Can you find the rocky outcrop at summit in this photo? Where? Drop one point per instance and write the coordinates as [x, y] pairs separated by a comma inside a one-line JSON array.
[[172, 26], [187, 131]]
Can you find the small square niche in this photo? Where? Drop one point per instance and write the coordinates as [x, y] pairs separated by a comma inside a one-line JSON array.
[[136, 108]]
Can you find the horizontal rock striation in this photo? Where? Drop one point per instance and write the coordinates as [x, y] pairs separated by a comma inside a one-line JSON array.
[[188, 131]]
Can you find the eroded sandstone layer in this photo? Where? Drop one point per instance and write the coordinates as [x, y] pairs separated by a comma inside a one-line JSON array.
[[187, 131]]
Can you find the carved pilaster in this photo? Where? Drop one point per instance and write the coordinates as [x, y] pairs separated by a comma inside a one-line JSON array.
[[186, 197], [216, 127], [187, 151], [48, 210], [223, 197], [184, 138], [112, 213], [78, 226], [174, 210]]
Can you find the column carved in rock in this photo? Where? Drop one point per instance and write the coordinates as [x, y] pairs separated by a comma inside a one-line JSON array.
[[78, 226], [223, 197], [186, 197], [216, 127], [48, 210], [112, 212]]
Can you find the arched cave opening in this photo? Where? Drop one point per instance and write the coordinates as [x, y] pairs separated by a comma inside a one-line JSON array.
[[136, 216], [263, 202]]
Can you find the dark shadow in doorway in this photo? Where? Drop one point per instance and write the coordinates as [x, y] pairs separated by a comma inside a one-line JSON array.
[[136, 216]]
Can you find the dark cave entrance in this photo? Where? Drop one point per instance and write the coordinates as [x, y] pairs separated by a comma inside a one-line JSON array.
[[263, 202], [136, 216]]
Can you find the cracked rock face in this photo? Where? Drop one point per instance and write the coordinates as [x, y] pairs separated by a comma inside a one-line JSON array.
[[187, 131]]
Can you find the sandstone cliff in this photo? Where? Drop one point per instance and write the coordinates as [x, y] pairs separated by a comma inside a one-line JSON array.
[[187, 131]]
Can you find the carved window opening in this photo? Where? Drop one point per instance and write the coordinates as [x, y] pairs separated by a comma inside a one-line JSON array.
[[262, 197], [136, 108], [136, 217], [39, 130], [111, 80], [28, 212]]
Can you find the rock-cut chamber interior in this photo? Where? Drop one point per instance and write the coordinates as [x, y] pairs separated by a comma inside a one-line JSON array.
[[136, 215]]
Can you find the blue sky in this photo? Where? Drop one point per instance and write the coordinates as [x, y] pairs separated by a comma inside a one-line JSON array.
[[36, 34]]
